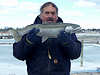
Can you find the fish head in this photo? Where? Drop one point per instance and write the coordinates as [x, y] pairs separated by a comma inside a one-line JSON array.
[[72, 28], [68, 28]]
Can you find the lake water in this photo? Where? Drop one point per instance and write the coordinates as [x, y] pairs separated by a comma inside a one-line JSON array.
[[11, 66]]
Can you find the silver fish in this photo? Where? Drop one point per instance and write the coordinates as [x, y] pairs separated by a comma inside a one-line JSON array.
[[46, 30]]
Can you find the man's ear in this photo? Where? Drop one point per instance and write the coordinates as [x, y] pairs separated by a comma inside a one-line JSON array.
[[40, 16], [57, 17]]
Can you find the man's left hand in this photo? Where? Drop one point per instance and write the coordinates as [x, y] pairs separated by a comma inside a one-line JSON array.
[[66, 38]]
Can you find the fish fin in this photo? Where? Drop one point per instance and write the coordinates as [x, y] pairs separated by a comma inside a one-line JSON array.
[[15, 35], [44, 38], [77, 29]]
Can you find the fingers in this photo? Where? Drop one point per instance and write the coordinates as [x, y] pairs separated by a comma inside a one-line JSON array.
[[34, 31]]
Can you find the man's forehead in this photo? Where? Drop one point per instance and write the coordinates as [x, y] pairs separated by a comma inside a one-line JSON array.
[[49, 8]]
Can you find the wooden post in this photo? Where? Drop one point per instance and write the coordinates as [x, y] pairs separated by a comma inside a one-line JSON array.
[[81, 60]]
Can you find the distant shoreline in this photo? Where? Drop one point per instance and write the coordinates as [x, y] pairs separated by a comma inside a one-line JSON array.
[[84, 42], [4, 43], [86, 73]]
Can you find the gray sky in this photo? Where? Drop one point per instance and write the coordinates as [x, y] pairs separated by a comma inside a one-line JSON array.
[[19, 13]]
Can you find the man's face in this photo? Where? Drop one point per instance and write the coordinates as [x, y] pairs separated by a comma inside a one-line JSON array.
[[49, 15]]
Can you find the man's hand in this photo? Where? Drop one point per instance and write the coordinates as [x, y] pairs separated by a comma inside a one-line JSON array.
[[66, 38], [32, 37]]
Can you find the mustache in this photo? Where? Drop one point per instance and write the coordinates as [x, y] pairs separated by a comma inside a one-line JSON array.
[[50, 19]]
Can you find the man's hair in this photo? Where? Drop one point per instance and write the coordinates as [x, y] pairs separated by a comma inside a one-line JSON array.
[[48, 4]]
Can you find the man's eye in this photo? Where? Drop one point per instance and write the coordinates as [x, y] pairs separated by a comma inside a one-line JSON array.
[[46, 12], [53, 13]]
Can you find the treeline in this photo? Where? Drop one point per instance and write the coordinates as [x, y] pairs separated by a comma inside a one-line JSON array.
[[6, 29], [90, 30]]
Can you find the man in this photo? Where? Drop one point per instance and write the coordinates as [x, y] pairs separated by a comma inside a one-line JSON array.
[[53, 56]]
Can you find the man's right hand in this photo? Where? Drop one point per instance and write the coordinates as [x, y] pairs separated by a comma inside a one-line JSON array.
[[32, 37]]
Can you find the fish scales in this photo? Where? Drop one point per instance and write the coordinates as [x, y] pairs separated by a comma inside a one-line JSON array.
[[46, 30]]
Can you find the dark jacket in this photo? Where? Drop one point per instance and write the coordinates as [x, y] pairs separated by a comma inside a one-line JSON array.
[[36, 56]]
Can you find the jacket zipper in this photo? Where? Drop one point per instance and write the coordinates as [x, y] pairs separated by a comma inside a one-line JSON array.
[[49, 55]]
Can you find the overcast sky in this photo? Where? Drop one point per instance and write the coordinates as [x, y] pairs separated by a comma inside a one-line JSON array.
[[19, 13]]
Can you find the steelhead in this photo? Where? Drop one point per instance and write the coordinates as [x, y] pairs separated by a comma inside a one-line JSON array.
[[46, 30]]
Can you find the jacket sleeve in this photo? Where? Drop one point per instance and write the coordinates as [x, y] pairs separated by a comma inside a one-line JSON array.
[[22, 50], [72, 50]]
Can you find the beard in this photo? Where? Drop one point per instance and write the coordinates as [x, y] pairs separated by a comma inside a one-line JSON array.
[[49, 20]]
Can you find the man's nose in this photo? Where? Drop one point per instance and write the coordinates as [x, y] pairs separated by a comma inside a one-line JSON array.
[[50, 15]]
